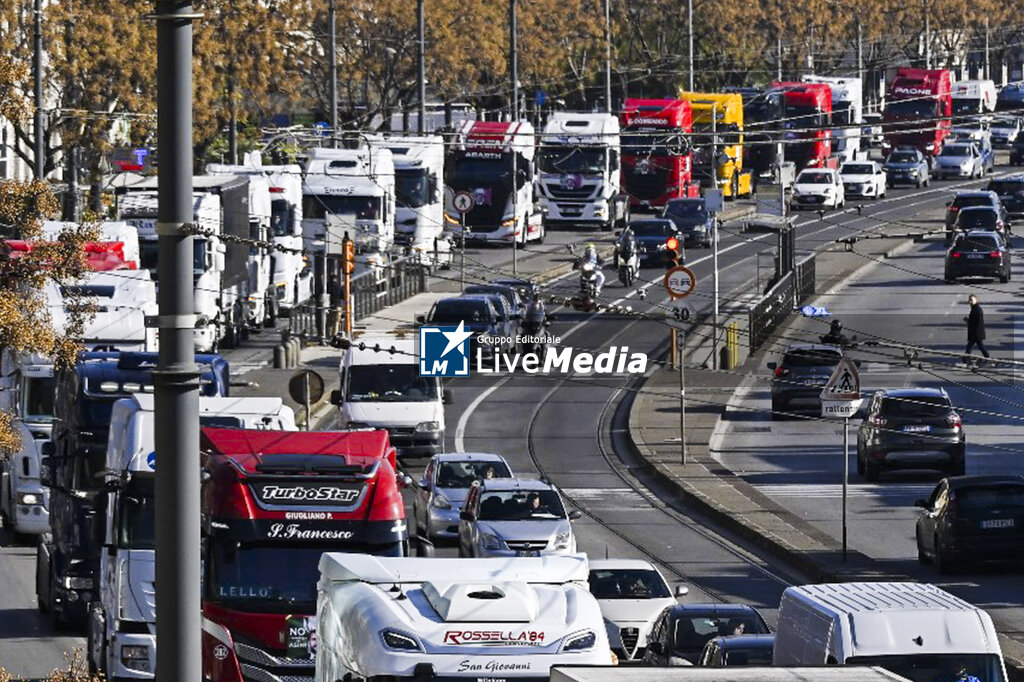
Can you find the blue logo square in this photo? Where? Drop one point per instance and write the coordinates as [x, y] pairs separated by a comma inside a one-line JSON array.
[[444, 351]]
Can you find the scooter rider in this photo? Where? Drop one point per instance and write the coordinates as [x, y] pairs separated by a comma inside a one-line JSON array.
[[628, 257], [835, 335], [590, 255]]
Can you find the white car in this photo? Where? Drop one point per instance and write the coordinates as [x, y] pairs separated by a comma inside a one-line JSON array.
[[818, 188], [632, 594], [394, 618], [1005, 130], [863, 179]]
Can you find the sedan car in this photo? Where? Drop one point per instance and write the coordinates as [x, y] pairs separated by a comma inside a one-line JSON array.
[[631, 593], [959, 160], [910, 428], [799, 377], [651, 237], [738, 650], [907, 166], [971, 519], [863, 179], [1005, 130], [818, 187], [681, 631], [442, 491], [693, 221], [515, 517], [978, 254], [1010, 190], [510, 294]]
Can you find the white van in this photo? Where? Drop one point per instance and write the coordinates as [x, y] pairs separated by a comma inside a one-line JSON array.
[[915, 630], [383, 389]]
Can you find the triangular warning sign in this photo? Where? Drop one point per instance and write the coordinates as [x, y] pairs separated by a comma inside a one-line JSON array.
[[844, 384]]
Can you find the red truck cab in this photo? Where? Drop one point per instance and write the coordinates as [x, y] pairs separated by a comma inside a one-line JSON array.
[[807, 119], [657, 162], [273, 502], [920, 103]]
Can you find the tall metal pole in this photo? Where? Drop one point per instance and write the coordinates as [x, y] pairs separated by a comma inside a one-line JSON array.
[[681, 336], [778, 57], [988, 73], [421, 20], [608, 55], [689, 31], [37, 77], [846, 475], [513, 58], [515, 201], [714, 242], [860, 52], [332, 54], [176, 394], [927, 36]]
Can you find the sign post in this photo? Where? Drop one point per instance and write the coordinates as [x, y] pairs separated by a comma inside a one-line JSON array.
[[840, 399], [463, 203]]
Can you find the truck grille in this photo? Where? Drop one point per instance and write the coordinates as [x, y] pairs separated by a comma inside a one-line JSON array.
[[557, 191], [245, 652], [253, 674], [527, 545], [630, 636]]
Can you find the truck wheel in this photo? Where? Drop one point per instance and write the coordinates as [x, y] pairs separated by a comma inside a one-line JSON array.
[[42, 584]]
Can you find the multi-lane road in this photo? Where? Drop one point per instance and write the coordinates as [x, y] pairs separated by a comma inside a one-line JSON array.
[[573, 429]]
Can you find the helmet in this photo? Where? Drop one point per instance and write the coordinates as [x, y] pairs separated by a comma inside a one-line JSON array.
[[590, 251], [836, 326]]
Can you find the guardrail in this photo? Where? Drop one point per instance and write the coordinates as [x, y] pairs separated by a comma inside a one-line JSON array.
[[779, 301], [805, 274]]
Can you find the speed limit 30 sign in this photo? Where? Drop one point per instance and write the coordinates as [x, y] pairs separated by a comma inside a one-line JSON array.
[[680, 281]]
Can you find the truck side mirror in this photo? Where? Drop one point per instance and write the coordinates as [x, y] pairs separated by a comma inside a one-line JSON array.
[[336, 397], [421, 319], [772, 365], [446, 397], [48, 449]]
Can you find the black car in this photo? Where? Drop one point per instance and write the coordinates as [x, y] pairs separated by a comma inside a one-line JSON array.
[[799, 377], [525, 287], [910, 428], [1010, 190], [968, 199], [978, 254], [737, 650], [692, 219], [478, 314], [1017, 152], [652, 235], [972, 518], [679, 634]]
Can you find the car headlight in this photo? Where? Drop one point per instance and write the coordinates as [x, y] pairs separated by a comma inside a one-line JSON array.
[[913, 171], [439, 501], [28, 498], [76, 583], [491, 541], [580, 642], [562, 540], [450, 219], [427, 427], [509, 222], [135, 652], [399, 641]]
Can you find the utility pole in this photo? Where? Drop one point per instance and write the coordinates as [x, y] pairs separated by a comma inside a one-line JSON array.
[[332, 53], [778, 57], [176, 380], [988, 73], [37, 76], [421, 20], [513, 58], [689, 30], [860, 52], [927, 36], [714, 241], [681, 338], [608, 55]]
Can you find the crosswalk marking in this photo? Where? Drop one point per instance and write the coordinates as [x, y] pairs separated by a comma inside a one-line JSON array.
[[607, 498], [827, 490]]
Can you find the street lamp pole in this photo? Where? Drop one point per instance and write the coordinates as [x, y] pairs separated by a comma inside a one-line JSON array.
[[37, 76], [927, 36], [689, 30], [513, 58], [421, 21], [332, 52], [608, 55]]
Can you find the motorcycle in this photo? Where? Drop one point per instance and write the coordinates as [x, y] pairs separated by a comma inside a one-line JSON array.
[[534, 328], [628, 259], [590, 288]]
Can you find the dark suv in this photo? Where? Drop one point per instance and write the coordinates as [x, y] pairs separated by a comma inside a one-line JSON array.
[[968, 199], [478, 314], [910, 428], [978, 254], [799, 377], [972, 518], [1010, 190], [693, 221]]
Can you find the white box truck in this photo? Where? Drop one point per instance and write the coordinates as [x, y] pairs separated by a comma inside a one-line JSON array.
[[973, 97], [916, 630]]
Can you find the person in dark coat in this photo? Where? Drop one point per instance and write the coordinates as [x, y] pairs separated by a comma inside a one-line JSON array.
[[975, 329]]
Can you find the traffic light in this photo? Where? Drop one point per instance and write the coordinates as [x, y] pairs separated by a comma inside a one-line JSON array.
[[672, 246], [348, 256]]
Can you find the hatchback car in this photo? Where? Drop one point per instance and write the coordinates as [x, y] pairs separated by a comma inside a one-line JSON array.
[[863, 179], [693, 221], [799, 377], [959, 160], [974, 218], [510, 294], [907, 166], [1010, 190], [631, 594], [525, 287], [738, 650], [970, 519], [681, 631], [910, 428], [1005, 130], [818, 188], [965, 199], [442, 491], [515, 517], [651, 237], [978, 254]]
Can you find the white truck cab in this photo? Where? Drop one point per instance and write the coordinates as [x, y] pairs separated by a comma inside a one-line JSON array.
[[122, 622], [381, 389], [847, 113], [120, 300]]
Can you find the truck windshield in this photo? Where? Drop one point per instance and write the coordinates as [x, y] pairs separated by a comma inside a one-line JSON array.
[[470, 173], [318, 206], [149, 253], [966, 106], [938, 667], [282, 215], [911, 108], [37, 399], [136, 527], [569, 159], [656, 143], [412, 188], [390, 384], [249, 577], [802, 117]]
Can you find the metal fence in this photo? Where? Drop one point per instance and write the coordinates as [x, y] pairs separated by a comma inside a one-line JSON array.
[[765, 315], [805, 275]]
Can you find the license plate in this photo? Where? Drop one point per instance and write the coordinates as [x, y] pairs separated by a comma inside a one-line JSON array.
[[917, 428], [975, 256], [530, 552], [997, 523]]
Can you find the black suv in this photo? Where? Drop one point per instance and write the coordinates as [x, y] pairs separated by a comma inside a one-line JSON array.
[[692, 220], [910, 428], [967, 199], [1010, 190], [971, 518], [799, 377], [978, 254]]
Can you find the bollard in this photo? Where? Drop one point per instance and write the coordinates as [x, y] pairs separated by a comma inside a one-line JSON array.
[[296, 352], [280, 357], [724, 358]]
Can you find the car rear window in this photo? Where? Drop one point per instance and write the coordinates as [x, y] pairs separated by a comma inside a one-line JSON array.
[[976, 244], [965, 201], [811, 357], [955, 150], [1006, 187], [652, 228], [456, 311], [977, 219], [918, 406], [985, 498]]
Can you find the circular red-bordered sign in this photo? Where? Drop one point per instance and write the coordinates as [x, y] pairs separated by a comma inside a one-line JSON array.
[[680, 281]]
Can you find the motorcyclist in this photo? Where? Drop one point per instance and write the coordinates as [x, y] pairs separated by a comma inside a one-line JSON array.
[[835, 335], [590, 255], [627, 257]]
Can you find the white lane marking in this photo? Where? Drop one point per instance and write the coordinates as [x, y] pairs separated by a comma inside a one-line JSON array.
[[824, 490]]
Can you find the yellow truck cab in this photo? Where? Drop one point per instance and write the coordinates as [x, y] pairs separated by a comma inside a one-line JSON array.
[[727, 112]]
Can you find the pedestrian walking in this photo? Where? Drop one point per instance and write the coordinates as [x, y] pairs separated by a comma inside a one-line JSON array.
[[975, 330]]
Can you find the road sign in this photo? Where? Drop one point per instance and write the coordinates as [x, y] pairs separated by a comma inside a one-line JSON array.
[[302, 380], [680, 281], [463, 202], [714, 201], [814, 311], [840, 409], [844, 384]]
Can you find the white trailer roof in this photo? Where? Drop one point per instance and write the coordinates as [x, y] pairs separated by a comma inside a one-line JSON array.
[[335, 567], [833, 673]]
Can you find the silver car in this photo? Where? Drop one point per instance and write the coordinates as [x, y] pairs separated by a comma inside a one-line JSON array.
[[515, 517], [959, 160], [442, 491]]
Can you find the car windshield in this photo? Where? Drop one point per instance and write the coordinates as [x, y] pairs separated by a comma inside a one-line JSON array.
[[628, 583], [319, 206], [686, 208], [815, 178], [462, 474], [938, 667], [858, 169], [412, 188], [970, 220], [956, 150], [521, 505], [37, 399], [986, 497], [460, 310], [752, 656], [652, 228], [693, 632], [390, 384], [916, 406], [1006, 187], [571, 160], [902, 157], [976, 243], [811, 357]]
